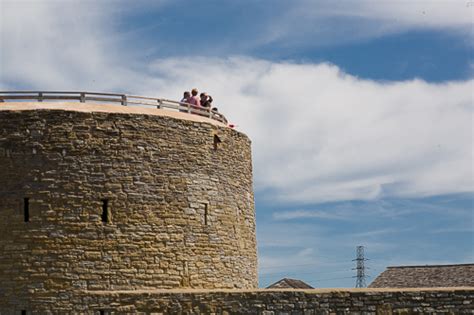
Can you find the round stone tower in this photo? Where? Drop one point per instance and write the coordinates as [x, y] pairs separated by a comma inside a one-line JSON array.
[[111, 197]]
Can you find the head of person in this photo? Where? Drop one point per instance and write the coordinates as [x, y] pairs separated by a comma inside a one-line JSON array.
[[187, 94], [194, 92], [203, 97]]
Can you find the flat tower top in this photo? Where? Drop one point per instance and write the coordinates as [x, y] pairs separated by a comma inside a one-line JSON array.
[[105, 108]]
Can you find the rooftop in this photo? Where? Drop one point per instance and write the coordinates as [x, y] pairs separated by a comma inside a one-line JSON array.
[[425, 276], [287, 283]]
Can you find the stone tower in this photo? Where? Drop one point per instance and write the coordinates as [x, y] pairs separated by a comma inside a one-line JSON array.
[[111, 197]]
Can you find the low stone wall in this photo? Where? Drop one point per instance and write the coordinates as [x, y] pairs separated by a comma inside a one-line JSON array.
[[265, 302]]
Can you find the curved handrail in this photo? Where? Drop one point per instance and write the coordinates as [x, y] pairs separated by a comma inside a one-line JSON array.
[[123, 99]]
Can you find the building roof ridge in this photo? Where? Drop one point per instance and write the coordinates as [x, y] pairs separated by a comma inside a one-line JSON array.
[[432, 266]]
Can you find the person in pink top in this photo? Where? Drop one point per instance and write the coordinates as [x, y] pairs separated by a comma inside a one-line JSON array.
[[194, 99]]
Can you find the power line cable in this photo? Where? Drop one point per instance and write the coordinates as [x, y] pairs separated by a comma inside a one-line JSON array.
[[330, 279], [302, 273], [333, 279], [295, 273], [311, 264]]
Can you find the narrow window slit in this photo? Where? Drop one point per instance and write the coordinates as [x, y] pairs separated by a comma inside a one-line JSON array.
[[102, 312], [105, 210], [26, 210], [23, 312], [205, 213], [217, 140]]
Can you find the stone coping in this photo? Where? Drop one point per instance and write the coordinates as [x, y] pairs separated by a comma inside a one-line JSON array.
[[105, 108], [310, 291]]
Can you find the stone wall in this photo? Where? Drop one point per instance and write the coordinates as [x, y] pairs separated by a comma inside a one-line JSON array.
[[264, 302], [180, 209]]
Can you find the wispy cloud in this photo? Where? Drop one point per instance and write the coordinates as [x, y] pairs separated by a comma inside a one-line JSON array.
[[305, 214], [383, 209], [333, 23], [461, 229], [380, 233]]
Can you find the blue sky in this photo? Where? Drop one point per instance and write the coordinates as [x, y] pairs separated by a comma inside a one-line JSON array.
[[360, 112]]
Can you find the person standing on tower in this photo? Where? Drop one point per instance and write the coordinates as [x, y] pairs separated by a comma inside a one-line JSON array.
[[203, 99], [194, 99], [186, 99]]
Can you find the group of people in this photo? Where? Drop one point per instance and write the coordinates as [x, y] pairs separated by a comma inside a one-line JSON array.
[[204, 100]]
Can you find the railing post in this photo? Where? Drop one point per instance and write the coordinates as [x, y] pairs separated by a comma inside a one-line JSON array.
[[83, 98], [210, 112], [40, 96], [159, 104], [124, 100], [189, 108]]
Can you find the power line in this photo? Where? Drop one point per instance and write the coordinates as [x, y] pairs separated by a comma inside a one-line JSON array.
[[311, 264], [301, 273], [330, 279], [316, 280], [280, 266], [360, 267]]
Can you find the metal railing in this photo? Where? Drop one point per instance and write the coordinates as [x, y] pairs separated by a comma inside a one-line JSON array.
[[123, 99]]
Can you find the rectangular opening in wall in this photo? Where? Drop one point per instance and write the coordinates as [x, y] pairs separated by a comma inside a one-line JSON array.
[[206, 214], [102, 312], [23, 312], [26, 209], [105, 210], [217, 140]]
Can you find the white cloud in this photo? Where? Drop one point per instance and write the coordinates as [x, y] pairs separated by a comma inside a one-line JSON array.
[[62, 45], [318, 133], [321, 135]]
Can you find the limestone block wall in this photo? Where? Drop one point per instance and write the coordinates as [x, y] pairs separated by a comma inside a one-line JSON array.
[[118, 200], [452, 301]]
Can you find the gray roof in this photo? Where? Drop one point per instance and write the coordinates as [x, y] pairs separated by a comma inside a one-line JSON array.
[[287, 283], [461, 275]]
